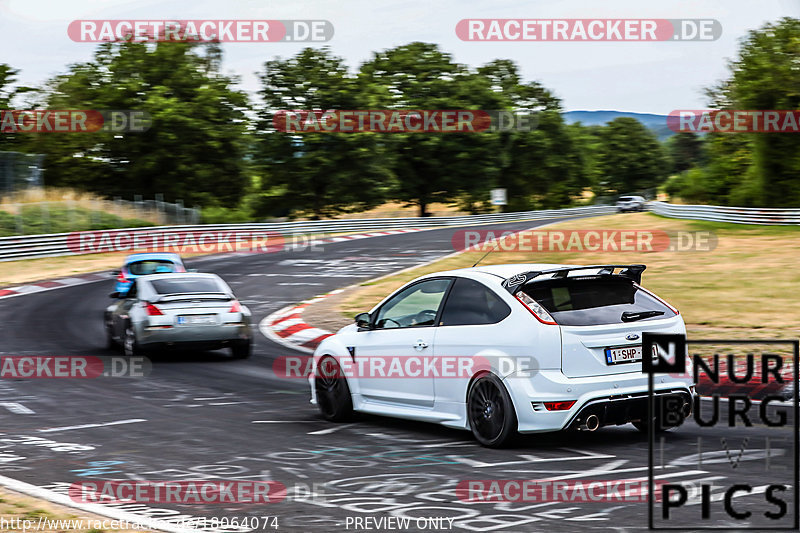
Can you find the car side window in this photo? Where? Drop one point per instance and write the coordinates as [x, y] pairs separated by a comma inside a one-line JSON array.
[[472, 303], [414, 306]]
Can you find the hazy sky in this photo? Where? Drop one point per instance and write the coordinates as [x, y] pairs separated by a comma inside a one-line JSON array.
[[651, 77]]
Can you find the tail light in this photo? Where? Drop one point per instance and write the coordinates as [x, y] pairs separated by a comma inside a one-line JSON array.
[[121, 278], [559, 406], [236, 307], [535, 308], [152, 310]]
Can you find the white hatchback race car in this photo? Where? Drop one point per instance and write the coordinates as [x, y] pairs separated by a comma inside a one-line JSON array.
[[503, 349]]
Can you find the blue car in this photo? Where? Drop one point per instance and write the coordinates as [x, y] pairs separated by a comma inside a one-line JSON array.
[[143, 264]]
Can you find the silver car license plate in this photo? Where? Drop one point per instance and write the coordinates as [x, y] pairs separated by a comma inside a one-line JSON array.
[[197, 320]]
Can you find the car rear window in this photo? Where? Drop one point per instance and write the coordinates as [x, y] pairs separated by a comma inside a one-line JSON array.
[[184, 285], [625, 199], [595, 300], [150, 266]]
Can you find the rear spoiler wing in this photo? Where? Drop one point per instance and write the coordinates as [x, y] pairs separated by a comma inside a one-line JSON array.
[[517, 281], [176, 296]]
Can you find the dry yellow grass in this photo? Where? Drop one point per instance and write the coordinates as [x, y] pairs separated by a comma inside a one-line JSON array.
[[74, 199], [745, 287], [397, 210], [16, 507]]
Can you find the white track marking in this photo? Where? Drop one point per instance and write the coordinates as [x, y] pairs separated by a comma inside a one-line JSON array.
[[17, 408], [284, 421], [527, 459], [329, 430], [95, 508], [86, 426]]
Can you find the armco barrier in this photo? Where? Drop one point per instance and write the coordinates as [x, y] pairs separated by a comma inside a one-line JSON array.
[[55, 245], [736, 215]]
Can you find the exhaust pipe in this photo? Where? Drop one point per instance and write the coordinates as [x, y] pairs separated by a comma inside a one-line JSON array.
[[590, 424], [686, 409]]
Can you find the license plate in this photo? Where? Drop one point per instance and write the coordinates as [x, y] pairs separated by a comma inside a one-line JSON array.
[[624, 354], [197, 320]]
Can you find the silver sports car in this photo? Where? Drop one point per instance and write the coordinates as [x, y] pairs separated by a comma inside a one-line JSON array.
[[179, 309]]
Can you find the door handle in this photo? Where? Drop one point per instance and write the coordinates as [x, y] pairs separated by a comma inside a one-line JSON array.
[[420, 345]]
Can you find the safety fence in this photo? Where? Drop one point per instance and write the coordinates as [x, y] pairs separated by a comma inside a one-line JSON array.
[[54, 245], [736, 215]]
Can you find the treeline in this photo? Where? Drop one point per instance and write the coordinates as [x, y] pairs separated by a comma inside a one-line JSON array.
[[211, 144], [755, 169]]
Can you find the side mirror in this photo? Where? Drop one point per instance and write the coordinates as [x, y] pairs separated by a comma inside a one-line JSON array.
[[363, 321], [114, 295]]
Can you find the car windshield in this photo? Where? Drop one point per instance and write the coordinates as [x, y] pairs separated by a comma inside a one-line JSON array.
[[595, 300], [151, 266], [185, 285]]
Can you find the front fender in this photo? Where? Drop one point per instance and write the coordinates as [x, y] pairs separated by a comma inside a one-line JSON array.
[[336, 348]]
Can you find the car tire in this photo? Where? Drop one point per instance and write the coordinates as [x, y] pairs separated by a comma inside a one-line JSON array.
[[333, 394], [111, 344], [490, 412], [242, 350], [130, 346]]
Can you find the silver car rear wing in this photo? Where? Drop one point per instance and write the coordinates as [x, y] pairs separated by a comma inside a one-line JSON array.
[[517, 281], [178, 296]]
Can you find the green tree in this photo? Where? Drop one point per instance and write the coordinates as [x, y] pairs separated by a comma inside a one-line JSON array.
[[724, 179], [8, 92], [630, 157], [434, 167], [765, 76], [542, 168], [319, 173], [194, 150], [685, 150]]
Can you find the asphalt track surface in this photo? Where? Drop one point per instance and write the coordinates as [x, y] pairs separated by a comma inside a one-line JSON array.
[[203, 416]]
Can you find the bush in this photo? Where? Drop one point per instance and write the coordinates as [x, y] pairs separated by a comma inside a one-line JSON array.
[[8, 224], [225, 215]]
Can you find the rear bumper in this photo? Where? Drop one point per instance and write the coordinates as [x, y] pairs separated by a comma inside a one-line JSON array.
[[619, 397], [618, 410], [211, 336]]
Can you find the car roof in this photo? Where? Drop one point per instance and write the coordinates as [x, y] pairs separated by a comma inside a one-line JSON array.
[[182, 275], [144, 256], [507, 270]]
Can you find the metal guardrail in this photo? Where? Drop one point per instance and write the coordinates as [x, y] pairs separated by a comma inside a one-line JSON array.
[[55, 245], [736, 215]]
